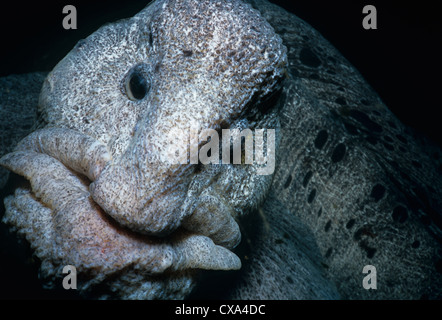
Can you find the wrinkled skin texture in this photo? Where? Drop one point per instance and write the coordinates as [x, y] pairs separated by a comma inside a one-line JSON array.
[[103, 162], [367, 186], [343, 196]]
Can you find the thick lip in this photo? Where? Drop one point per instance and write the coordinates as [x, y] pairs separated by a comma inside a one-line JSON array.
[[185, 213]]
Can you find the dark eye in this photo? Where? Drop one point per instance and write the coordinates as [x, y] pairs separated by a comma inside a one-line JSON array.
[[137, 84]]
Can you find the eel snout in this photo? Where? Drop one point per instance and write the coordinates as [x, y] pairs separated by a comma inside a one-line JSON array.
[[151, 196], [54, 160]]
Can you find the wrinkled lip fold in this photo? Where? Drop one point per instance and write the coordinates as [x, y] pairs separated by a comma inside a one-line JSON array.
[[151, 197], [74, 218]]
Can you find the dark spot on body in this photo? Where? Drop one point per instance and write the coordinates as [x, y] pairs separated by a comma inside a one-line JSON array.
[[416, 244], [325, 266], [327, 226], [187, 53], [426, 220], [279, 241], [394, 164], [289, 280], [365, 102], [350, 223], [319, 212], [307, 178], [388, 139], [370, 251], [321, 139], [351, 129], [371, 140], [401, 138], [311, 196], [309, 58], [395, 182], [421, 194], [331, 59], [400, 214], [438, 266], [388, 146], [198, 168], [338, 153], [288, 181], [253, 28], [363, 231], [416, 164], [404, 175], [413, 202], [150, 39], [377, 192], [329, 252], [341, 101], [365, 120], [392, 124]]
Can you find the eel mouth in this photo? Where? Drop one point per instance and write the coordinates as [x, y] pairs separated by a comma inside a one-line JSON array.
[[183, 196], [77, 228]]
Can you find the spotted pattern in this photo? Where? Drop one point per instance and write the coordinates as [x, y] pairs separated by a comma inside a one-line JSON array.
[[377, 197]]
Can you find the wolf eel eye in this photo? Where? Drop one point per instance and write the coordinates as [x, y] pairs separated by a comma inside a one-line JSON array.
[[137, 83]]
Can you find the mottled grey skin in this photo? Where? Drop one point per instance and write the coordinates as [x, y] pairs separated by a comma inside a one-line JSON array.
[[102, 164], [363, 183], [352, 187], [193, 55]]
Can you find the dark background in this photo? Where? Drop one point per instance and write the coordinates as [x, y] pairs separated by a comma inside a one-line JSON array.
[[401, 60]]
